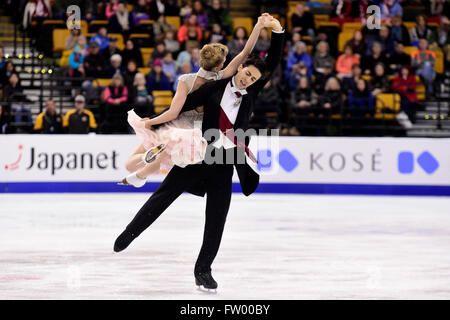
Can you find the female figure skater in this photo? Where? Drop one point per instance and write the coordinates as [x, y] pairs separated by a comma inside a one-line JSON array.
[[180, 141]]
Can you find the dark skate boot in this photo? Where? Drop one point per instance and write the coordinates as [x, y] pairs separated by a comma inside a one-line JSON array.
[[123, 241], [205, 280]]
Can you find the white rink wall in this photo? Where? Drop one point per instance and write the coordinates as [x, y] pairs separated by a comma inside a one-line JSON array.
[[335, 165]]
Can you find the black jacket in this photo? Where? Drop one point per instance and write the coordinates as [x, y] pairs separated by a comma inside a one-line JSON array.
[[210, 96]]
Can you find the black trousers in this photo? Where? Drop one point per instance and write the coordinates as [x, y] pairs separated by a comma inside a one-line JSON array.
[[218, 182]]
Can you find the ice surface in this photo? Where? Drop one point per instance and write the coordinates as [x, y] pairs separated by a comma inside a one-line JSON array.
[[59, 246]]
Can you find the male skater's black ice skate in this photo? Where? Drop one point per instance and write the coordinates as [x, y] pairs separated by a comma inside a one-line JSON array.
[[204, 280]]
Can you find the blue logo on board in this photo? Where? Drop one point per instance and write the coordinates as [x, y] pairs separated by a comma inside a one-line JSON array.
[[425, 160], [286, 160]]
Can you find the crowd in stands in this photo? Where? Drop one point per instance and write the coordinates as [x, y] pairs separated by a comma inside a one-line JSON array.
[[318, 75]]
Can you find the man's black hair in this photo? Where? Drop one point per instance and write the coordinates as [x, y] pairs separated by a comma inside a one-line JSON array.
[[256, 61]]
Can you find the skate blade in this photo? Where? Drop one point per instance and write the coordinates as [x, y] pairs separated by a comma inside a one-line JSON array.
[[154, 156], [206, 290]]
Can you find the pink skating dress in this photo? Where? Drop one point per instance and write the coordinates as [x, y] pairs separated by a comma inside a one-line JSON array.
[[183, 136]]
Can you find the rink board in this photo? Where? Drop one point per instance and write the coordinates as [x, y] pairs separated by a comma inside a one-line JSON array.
[[322, 165]]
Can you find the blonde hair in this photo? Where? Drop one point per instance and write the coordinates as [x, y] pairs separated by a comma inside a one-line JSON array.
[[136, 78], [212, 55]]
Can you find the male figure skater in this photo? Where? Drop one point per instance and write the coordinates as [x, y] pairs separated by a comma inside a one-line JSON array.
[[228, 104]]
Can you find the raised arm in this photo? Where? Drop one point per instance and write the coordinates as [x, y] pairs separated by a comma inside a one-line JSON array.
[[231, 69], [175, 107]]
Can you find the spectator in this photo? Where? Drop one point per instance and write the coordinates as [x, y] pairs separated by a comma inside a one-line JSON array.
[[331, 99], [423, 60], [116, 65], [37, 10], [345, 10], [386, 41], [158, 53], [116, 96], [101, 38], [303, 22], [49, 121], [22, 121], [303, 97], [157, 80], [186, 9], [190, 25], [262, 44], [399, 31], [440, 8], [219, 15], [169, 67], [6, 72], [171, 43], [140, 11], [160, 27], [322, 78], [268, 101], [129, 74], [322, 57], [299, 70], [185, 55], [111, 8], [94, 64], [290, 44], [76, 58], [237, 44], [195, 59], [390, 8], [13, 91], [122, 21], [185, 68], [421, 31], [360, 100], [442, 38], [379, 82], [162, 7], [72, 39], [131, 53], [405, 85], [357, 43], [2, 59], [369, 62], [217, 35], [202, 17], [345, 62], [139, 96], [79, 120], [4, 119], [299, 55], [399, 58], [350, 83], [111, 49]]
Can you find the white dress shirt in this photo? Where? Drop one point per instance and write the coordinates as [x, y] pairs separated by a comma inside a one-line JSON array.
[[230, 104]]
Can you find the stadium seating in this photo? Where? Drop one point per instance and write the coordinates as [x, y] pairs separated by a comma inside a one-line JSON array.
[[351, 26], [247, 23], [59, 39], [146, 55], [174, 21], [162, 100], [97, 24], [389, 102], [343, 38]]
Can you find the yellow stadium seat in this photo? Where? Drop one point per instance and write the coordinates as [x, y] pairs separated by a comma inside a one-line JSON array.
[[130, 7], [352, 26], [366, 77], [321, 17], [120, 43], [145, 71], [174, 21], [64, 61], [439, 66], [98, 23], [162, 101], [59, 39], [409, 25], [410, 49], [84, 27], [327, 24], [328, 2], [245, 22], [101, 82], [343, 38], [161, 93], [54, 22], [421, 91], [388, 101], [146, 55]]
